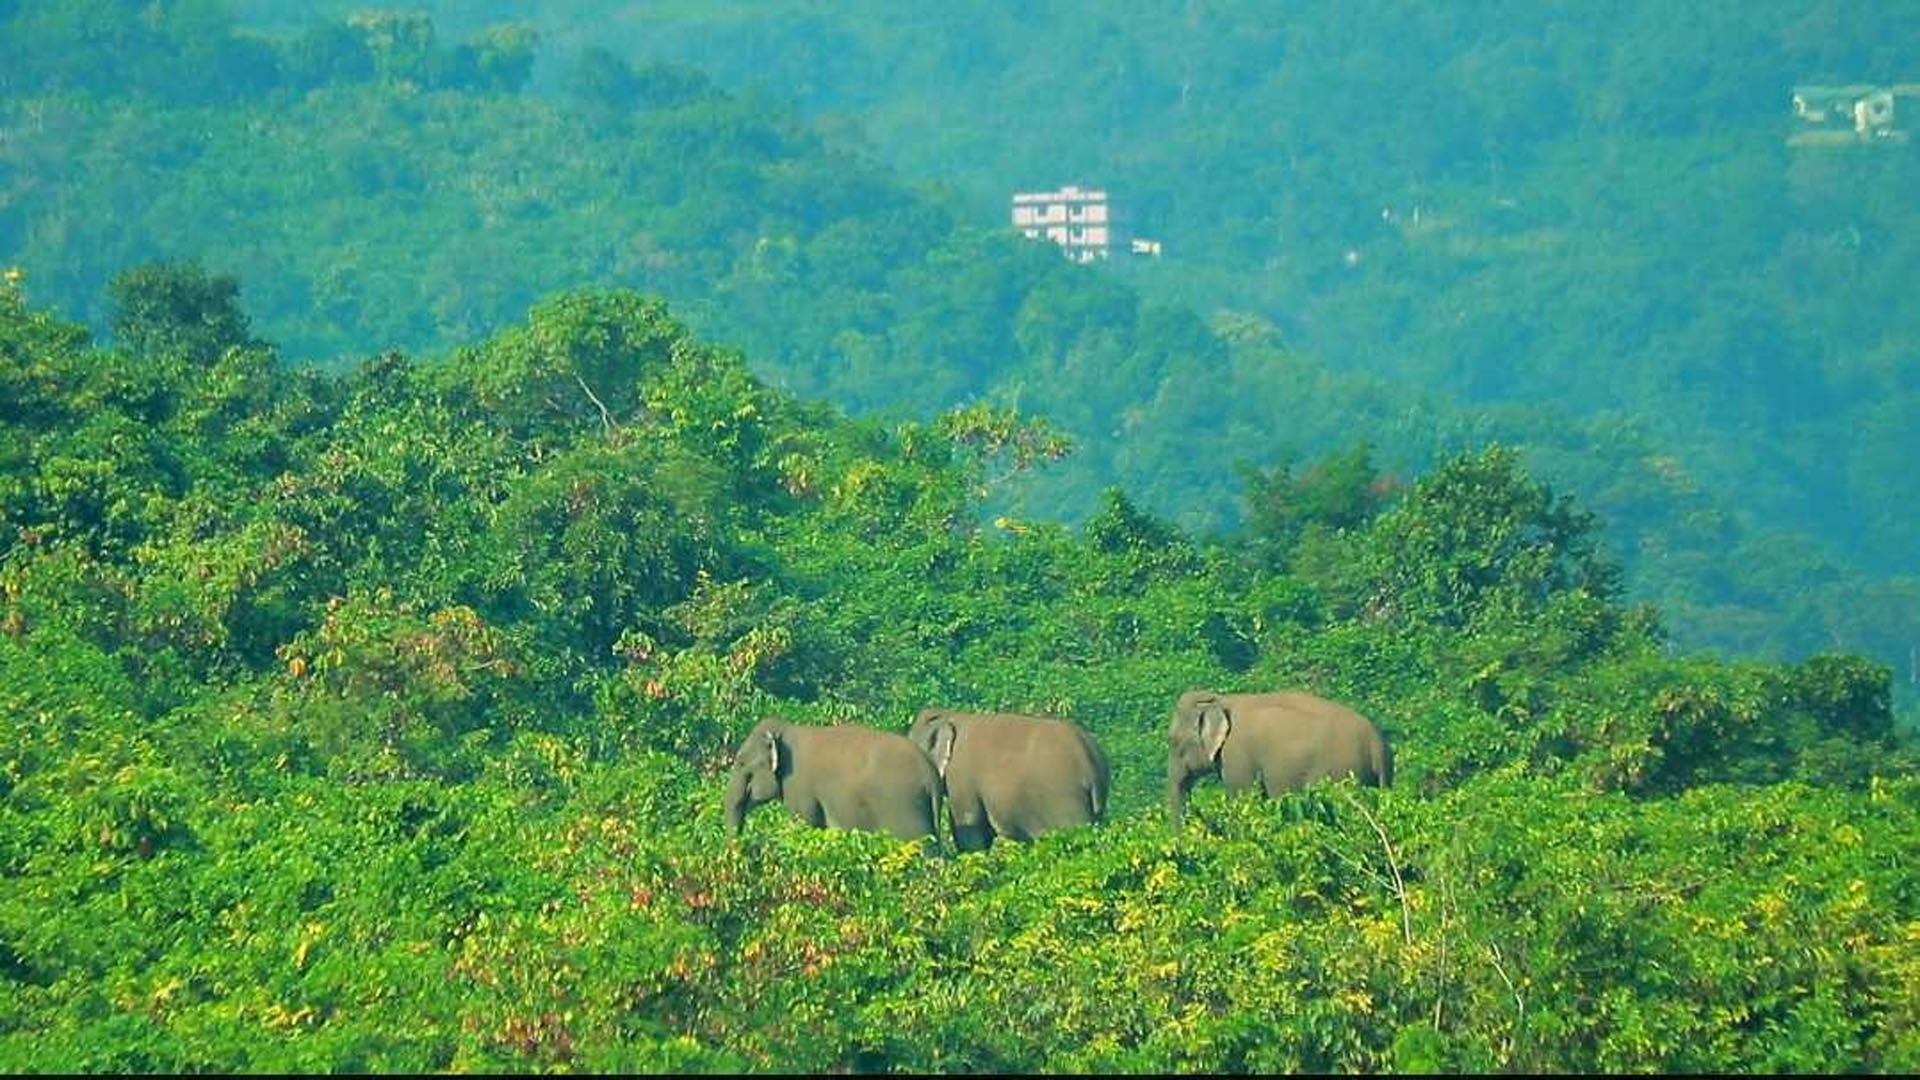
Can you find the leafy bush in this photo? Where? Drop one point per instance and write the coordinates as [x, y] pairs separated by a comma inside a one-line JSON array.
[[407, 755]]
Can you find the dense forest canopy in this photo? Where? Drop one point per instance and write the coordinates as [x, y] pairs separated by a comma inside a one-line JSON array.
[[378, 721], [430, 441], [1617, 266]]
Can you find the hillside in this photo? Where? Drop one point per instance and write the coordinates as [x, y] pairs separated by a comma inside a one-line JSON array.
[[430, 444], [1584, 229], [376, 721], [404, 190]]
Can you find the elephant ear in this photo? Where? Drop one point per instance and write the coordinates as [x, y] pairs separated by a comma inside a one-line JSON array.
[[940, 745], [1214, 725]]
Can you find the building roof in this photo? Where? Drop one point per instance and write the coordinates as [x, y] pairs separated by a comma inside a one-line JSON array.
[[1069, 193]]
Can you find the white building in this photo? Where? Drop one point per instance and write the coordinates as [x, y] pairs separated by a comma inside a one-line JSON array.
[[1077, 220], [1860, 113]]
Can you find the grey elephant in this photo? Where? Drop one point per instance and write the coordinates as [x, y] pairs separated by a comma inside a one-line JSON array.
[[1279, 742], [844, 777], [1012, 776]]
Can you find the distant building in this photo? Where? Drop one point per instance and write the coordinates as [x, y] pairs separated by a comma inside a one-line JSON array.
[[1076, 220], [1845, 114], [1081, 222]]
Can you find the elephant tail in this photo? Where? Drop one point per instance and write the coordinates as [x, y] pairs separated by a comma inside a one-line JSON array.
[[1382, 761], [1097, 791], [934, 799], [1096, 803]]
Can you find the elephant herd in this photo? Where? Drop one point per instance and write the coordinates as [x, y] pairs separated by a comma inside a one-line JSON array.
[[1017, 777]]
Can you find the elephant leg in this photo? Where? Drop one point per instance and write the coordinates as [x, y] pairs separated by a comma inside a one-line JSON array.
[[1239, 773], [864, 809], [1287, 774], [1009, 826], [1038, 814], [1068, 808], [907, 817], [805, 807], [972, 837], [971, 829]]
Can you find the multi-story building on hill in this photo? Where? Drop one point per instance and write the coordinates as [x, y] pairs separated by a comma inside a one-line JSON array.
[[1077, 220]]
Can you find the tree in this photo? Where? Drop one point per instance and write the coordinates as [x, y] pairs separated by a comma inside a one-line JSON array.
[[602, 82], [178, 309], [327, 54], [666, 85], [1339, 492], [501, 59], [1478, 539]]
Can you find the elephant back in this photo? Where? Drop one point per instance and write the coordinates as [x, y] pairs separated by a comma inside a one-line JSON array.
[[890, 752], [1008, 760], [1351, 741]]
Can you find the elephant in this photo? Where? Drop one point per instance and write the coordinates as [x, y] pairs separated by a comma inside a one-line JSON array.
[[844, 777], [1279, 741], [1012, 776]]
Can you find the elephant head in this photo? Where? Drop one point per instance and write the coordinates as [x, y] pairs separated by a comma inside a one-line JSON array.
[[934, 731], [1201, 723], [756, 773]]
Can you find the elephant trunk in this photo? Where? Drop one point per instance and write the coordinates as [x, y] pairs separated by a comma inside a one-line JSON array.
[[736, 802], [1177, 785]]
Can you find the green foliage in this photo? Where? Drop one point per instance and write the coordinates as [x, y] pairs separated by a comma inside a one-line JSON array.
[[551, 373], [383, 690], [378, 721], [1476, 540], [1148, 544], [1341, 492], [180, 310], [1690, 336], [603, 535]]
